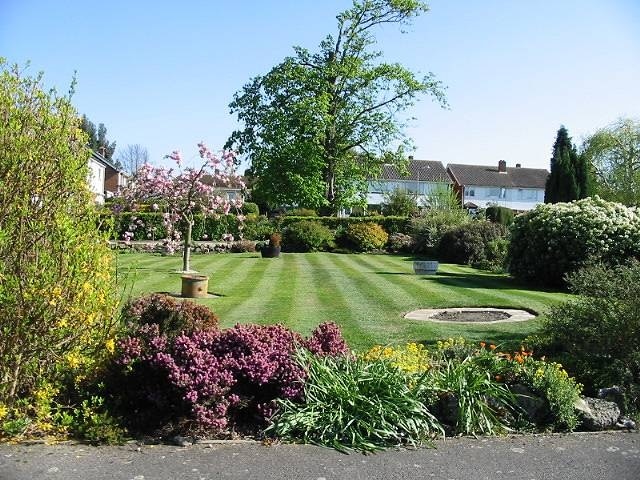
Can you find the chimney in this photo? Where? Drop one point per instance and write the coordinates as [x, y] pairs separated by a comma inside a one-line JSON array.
[[518, 165], [410, 157], [502, 166]]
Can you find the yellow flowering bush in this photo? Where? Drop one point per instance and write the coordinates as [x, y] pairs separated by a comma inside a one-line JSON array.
[[57, 282]]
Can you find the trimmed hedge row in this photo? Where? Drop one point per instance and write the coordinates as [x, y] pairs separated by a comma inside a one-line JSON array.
[[390, 224]]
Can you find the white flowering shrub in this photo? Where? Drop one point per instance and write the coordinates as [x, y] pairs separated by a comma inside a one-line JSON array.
[[555, 239]]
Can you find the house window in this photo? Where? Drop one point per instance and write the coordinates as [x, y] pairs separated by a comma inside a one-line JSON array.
[[471, 192], [494, 192], [503, 192]]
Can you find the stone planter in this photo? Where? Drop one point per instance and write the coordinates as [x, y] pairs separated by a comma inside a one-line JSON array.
[[195, 286], [269, 251], [425, 267]]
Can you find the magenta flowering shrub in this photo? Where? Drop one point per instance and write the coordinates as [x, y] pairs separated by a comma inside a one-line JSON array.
[[214, 380], [327, 339]]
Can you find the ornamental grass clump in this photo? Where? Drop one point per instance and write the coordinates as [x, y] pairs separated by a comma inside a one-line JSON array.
[[356, 404]]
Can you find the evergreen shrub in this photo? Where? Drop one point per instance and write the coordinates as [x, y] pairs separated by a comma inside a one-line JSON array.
[[307, 236], [471, 243], [497, 214]]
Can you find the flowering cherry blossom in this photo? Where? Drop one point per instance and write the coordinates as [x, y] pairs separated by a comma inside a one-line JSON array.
[[181, 194]]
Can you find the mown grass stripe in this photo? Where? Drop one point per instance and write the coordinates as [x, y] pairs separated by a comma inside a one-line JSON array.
[[256, 297], [305, 305], [336, 293]]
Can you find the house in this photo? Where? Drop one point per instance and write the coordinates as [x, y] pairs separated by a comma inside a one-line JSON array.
[[105, 179], [424, 178], [516, 188], [234, 190]]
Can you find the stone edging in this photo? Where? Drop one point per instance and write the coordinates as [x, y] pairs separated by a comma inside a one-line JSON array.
[[427, 314]]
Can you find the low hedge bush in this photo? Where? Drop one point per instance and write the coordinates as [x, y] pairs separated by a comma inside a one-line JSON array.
[[365, 237], [471, 243], [428, 229], [596, 334], [306, 236]]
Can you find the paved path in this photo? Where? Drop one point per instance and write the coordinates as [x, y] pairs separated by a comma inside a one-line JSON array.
[[569, 457]]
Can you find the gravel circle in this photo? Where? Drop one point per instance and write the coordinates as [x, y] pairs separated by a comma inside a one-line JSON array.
[[471, 316]]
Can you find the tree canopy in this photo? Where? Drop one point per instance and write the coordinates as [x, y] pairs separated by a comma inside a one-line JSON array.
[[614, 152], [570, 177], [98, 138], [319, 124]]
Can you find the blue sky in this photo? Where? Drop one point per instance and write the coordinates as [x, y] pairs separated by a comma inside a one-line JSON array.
[[162, 73]]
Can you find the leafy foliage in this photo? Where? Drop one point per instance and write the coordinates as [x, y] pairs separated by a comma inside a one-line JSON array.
[[401, 243], [307, 236], [399, 203], [353, 404], [555, 239], [172, 317], [57, 292], [319, 125], [97, 138], [497, 214], [470, 243], [365, 237], [428, 228], [596, 335], [614, 152]]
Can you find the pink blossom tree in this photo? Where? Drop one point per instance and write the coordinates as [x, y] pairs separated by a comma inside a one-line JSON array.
[[182, 194]]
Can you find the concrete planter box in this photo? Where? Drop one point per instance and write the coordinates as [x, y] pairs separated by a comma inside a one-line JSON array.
[[195, 286], [425, 267]]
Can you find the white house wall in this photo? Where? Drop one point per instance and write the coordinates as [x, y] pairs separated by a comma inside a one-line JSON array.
[[379, 188], [96, 179], [514, 198]]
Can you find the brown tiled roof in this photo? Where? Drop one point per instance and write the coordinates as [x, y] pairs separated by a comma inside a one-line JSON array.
[[420, 170], [481, 175]]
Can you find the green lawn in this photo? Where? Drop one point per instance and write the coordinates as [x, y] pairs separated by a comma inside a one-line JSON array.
[[366, 295]]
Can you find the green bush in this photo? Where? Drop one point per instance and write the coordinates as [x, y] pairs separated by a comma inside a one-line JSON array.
[[307, 236], [498, 214], [364, 237], [428, 228], [596, 335], [302, 212], [250, 208], [258, 228], [555, 239], [353, 404], [401, 243], [471, 243], [172, 317], [390, 224], [399, 203], [149, 226], [57, 284]]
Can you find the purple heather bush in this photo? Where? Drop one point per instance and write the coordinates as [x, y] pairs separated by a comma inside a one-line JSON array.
[[214, 380]]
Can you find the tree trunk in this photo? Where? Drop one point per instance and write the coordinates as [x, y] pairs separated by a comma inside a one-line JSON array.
[[186, 250]]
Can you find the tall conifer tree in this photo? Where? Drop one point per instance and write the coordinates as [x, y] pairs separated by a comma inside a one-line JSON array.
[[568, 178]]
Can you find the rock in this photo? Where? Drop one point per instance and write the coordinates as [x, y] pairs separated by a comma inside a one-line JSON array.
[[598, 414], [180, 441], [626, 423], [534, 407]]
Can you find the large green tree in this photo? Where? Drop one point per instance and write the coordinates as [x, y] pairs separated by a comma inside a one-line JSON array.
[[98, 141], [614, 152], [319, 124], [570, 176]]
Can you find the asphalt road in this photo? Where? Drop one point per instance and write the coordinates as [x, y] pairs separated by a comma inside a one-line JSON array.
[[571, 457]]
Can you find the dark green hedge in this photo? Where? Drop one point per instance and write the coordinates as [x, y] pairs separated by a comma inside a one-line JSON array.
[[390, 224], [146, 222], [148, 225]]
